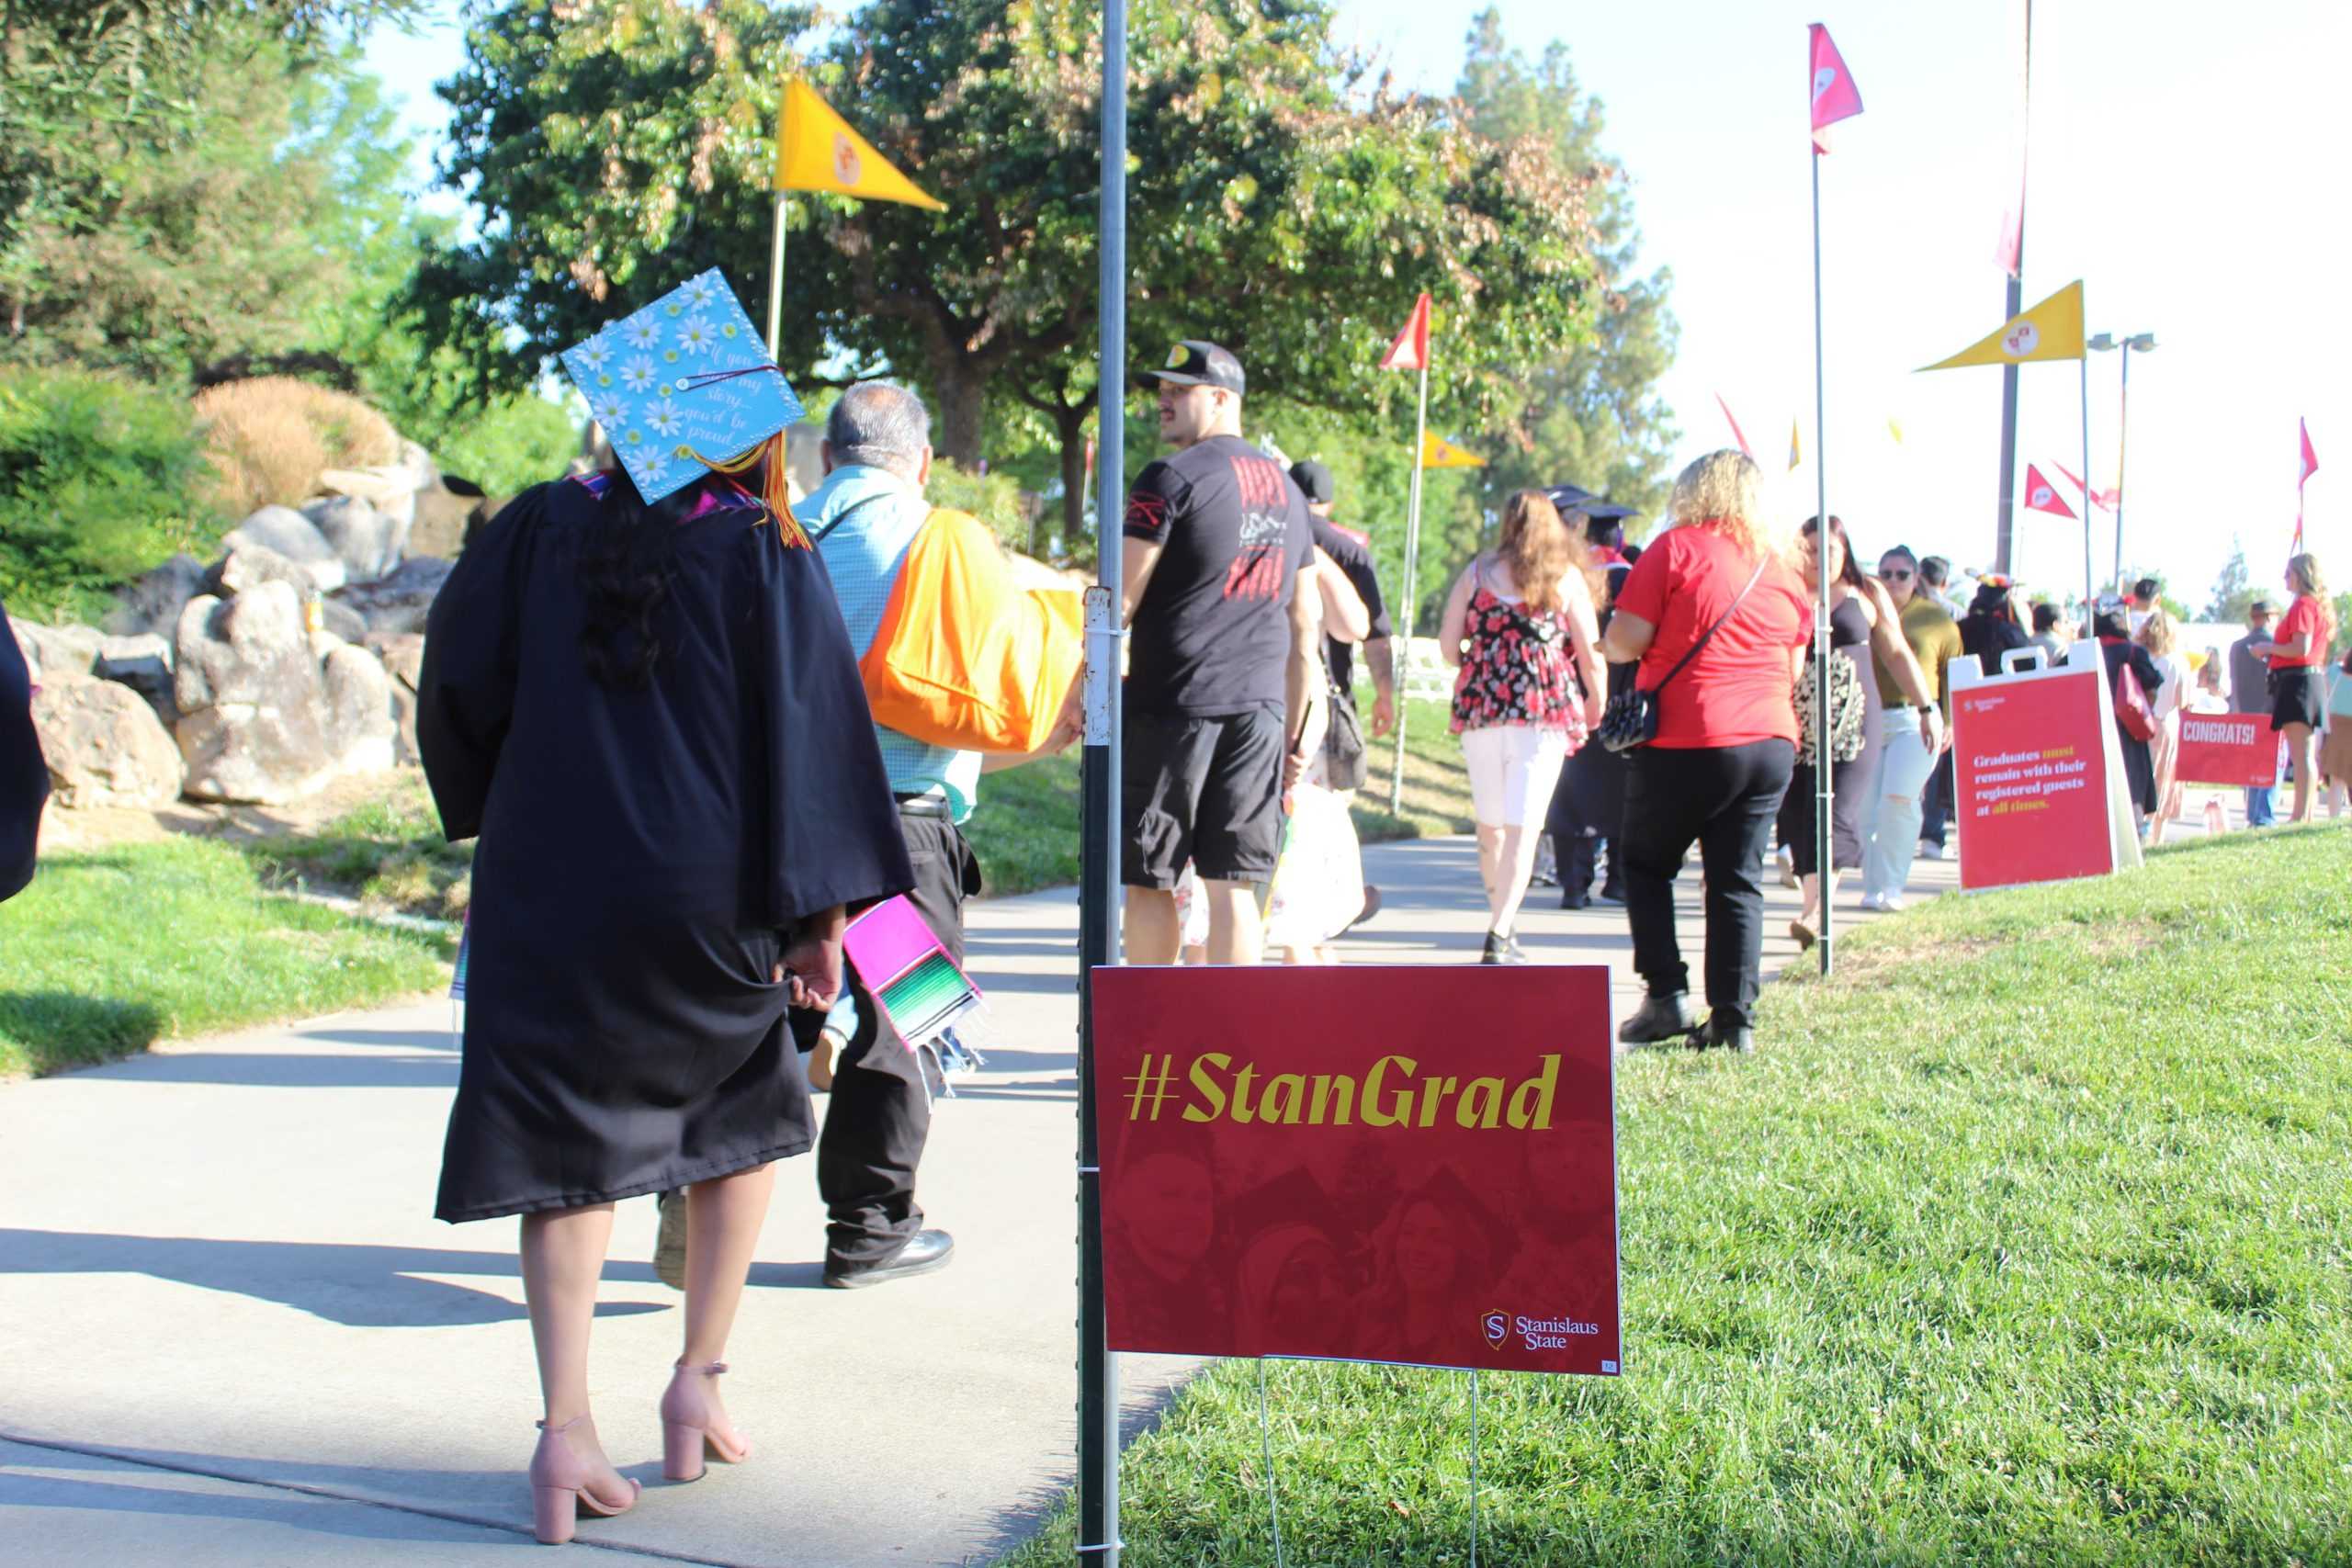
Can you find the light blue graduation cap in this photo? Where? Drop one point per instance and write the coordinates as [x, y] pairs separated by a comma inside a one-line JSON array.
[[683, 385]]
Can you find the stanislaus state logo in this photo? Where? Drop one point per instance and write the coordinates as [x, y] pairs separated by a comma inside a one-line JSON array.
[[1497, 1328], [1535, 1332]]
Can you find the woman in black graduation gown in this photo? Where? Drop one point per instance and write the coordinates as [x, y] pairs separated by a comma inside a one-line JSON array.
[[652, 718], [24, 777]]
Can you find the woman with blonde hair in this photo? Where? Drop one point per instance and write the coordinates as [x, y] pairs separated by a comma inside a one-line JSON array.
[[2297, 649], [2157, 635], [1519, 626], [1718, 623]]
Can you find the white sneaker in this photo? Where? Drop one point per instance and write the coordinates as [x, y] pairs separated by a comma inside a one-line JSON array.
[[1882, 903], [1929, 850]]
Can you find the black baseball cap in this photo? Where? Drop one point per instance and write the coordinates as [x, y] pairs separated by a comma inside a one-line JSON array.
[[2260, 607], [1198, 363], [1315, 479]]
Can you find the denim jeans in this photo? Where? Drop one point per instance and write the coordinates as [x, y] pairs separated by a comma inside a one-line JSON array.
[[1904, 765], [2258, 810]]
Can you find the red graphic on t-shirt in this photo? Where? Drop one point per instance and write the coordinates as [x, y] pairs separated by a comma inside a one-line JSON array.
[[1147, 510], [1254, 574], [1260, 481]]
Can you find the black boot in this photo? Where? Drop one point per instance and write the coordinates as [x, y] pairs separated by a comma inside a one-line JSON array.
[[1576, 871], [1660, 1018], [1722, 1034]]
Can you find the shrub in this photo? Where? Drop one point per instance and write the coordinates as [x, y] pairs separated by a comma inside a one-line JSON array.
[[994, 499], [100, 479], [270, 439]]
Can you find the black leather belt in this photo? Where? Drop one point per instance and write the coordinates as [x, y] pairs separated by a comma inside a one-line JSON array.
[[923, 806]]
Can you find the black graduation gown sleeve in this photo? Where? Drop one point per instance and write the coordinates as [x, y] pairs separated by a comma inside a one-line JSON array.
[[472, 654], [24, 775], [833, 826]]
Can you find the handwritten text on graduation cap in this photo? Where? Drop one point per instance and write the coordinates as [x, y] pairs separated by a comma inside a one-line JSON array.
[[679, 384]]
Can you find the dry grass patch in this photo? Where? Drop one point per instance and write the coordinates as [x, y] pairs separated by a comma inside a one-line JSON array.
[[270, 439]]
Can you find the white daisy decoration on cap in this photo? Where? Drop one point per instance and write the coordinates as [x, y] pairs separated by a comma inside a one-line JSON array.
[[637, 374], [663, 418], [640, 332], [700, 293], [697, 336], [595, 353], [608, 411]]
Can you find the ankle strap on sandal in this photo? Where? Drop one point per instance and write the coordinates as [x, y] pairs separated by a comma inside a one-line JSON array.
[[566, 1427], [707, 1369]]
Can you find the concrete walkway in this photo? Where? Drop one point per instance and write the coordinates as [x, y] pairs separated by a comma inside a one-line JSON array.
[[231, 1332]]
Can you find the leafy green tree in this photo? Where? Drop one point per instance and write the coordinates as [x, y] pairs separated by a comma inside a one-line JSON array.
[[1280, 202], [1593, 415], [2233, 590]]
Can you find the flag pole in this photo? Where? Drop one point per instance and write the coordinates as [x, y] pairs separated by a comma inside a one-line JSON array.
[[2090, 582], [775, 279], [1412, 605], [1100, 896], [2013, 294], [1825, 853]]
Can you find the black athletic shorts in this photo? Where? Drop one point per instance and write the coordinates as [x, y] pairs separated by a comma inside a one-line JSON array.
[[1206, 790]]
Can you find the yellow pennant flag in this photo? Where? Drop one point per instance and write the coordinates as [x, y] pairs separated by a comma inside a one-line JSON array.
[[1797, 452], [1439, 454], [1895, 428], [816, 149], [2052, 330]]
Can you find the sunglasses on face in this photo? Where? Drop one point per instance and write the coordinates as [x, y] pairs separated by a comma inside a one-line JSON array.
[[1898, 575]]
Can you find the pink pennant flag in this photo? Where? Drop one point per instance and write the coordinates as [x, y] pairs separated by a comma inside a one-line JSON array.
[[1736, 435], [2311, 467], [2041, 497], [1835, 96], [1411, 349]]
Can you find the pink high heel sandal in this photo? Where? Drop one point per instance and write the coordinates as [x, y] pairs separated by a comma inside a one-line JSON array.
[[559, 1486], [687, 1437]]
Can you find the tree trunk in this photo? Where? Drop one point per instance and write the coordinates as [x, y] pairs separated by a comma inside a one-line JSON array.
[[1070, 424], [957, 387]]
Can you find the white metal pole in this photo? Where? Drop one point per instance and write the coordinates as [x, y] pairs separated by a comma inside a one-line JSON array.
[[1825, 853], [1412, 604], [775, 279], [2090, 583]]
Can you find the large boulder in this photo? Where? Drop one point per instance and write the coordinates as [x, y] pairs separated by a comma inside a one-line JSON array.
[[368, 541], [403, 657], [103, 744], [154, 603], [248, 565], [143, 663], [290, 533], [58, 650], [398, 603], [252, 699], [359, 709]]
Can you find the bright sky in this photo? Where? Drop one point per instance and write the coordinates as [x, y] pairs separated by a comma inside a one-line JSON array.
[[2190, 172]]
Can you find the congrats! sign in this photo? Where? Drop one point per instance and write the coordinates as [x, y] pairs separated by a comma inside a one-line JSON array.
[[1408, 1164]]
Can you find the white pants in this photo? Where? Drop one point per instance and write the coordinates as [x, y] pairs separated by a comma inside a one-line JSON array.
[[1904, 763], [1512, 769]]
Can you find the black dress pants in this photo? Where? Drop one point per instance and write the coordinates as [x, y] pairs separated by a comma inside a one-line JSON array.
[[879, 1115], [1724, 798]]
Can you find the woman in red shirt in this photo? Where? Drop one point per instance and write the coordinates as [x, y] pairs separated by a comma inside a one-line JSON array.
[[1726, 739], [2298, 647]]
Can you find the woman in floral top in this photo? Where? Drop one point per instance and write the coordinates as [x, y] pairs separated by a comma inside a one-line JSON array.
[[1519, 626]]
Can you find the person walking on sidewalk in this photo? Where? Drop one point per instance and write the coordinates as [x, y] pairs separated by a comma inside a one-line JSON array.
[[1863, 624], [1519, 627], [1719, 623], [2250, 692], [2296, 651], [1225, 655], [24, 776], [653, 719], [1912, 745], [2156, 635]]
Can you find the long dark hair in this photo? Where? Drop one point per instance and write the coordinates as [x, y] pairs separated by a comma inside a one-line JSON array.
[[1849, 572], [627, 561]]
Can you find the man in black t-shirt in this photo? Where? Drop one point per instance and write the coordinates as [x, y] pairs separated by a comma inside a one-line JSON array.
[[1351, 553], [1221, 606]]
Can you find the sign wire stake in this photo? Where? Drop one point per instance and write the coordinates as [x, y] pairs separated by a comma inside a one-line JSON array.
[[1266, 1448], [1473, 1467]]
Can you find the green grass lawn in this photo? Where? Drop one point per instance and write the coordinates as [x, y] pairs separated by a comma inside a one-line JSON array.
[[387, 853], [108, 952], [2028, 1238]]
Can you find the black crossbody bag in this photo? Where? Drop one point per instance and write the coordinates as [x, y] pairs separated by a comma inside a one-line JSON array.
[[1631, 718]]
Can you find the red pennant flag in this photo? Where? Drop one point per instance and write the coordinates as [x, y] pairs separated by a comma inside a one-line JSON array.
[[2311, 467], [1835, 96], [2039, 496], [1411, 349], [1736, 435], [2104, 500]]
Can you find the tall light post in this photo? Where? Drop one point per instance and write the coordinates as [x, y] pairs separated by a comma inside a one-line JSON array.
[[2145, 342]]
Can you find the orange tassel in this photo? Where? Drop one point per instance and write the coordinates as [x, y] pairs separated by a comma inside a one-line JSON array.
[[775, 488]]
